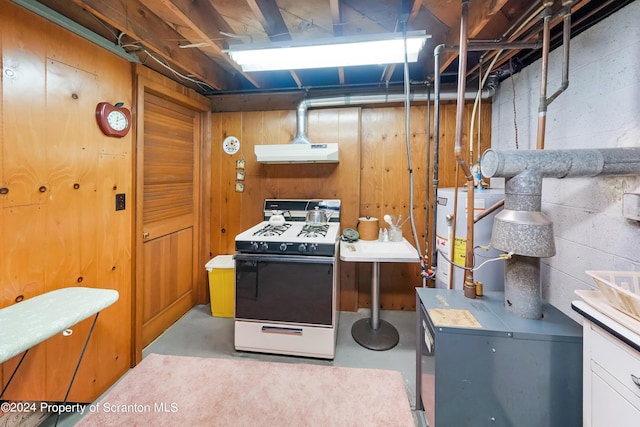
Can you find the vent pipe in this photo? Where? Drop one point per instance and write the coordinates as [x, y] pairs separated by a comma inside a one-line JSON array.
[[340, 101], [302, 150], [521, 228]]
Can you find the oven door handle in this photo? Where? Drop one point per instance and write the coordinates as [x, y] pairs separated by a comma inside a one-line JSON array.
[[281, 330], [285, 258]]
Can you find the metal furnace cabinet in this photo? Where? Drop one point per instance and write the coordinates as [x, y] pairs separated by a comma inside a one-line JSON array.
[[479, 365]]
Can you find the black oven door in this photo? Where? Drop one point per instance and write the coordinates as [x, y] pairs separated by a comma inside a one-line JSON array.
[[291, 289]]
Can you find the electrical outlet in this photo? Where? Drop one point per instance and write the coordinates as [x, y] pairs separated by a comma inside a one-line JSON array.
[[120, 202]]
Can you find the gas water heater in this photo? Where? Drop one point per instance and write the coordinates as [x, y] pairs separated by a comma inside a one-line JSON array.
[[490, 274]]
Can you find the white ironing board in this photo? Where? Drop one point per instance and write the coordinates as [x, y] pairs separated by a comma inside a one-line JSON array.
[[28, 323]]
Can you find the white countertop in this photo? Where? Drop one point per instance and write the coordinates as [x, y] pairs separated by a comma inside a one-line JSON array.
[[626, 327], [374, 251]]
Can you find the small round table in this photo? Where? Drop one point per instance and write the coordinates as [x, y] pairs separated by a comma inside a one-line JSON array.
[[374, 333]]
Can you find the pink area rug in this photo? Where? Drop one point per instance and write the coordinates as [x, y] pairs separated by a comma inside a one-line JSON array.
[[194, 391]]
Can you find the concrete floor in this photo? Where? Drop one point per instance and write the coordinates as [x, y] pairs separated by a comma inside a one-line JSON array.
[[199, 334]]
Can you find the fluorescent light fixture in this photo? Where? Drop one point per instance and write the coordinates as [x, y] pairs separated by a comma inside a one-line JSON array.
[[337, 52]]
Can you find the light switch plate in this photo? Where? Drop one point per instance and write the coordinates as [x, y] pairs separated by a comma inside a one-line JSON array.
[[631, 206]]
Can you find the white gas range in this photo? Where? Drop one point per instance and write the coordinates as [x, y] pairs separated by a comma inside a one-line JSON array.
[[287, 281]]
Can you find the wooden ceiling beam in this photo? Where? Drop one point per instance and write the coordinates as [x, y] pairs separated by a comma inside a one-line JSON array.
[[295, 78], [139, 23], [336, 17], [200, 17], [480, 13], [268, 13], [447, 12], [390, 68], [269, 16], [529, 33]]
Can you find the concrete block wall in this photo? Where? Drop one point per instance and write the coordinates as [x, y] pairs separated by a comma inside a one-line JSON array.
[[600, 109]]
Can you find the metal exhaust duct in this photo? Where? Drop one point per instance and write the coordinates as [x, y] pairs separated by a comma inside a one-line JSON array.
[[521, 228], [302, 150]]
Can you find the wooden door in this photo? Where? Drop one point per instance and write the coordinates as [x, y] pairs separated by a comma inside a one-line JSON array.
[[169, 140]]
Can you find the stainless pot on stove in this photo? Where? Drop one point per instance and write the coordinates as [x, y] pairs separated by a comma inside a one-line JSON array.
[[318, 216]]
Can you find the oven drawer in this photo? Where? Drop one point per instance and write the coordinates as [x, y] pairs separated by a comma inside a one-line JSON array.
[[285, 339]]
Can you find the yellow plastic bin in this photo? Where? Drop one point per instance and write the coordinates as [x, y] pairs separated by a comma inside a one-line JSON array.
[[222, 285]]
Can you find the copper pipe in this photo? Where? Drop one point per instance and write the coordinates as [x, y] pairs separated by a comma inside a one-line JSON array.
[[436, 134], [468, 285], [462, 69], [566, 36], [427, 253], [452, 243], [542, 106], [520, 25], [486, 212]]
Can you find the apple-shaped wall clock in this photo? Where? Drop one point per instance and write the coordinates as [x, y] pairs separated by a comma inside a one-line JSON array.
[[113, 120]]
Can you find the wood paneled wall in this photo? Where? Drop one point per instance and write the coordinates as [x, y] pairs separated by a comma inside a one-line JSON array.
[[233, 212], [372, 178], [58, 224]]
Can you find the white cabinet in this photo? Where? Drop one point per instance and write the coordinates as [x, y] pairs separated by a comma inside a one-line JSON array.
[[611, 371]]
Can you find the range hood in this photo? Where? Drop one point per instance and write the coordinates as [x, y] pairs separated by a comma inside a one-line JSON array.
[[302, 150], [297, 153]]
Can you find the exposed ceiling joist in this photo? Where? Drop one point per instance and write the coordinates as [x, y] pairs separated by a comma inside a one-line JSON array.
[[528, 33], [415, 8], [200, 18], [154, 30], [480, 13], [136, 20], [269, 15], [336, 17]]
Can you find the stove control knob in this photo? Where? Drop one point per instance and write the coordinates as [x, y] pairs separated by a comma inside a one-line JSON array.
[[264, 247], [254, 246], [313, 248], [302, 247], [283, 247]]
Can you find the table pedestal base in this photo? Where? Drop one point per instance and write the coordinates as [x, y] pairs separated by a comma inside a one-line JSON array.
[[384, 338]]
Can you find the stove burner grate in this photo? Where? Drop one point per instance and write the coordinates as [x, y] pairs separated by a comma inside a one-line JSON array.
[[272, 230], [312, 231]]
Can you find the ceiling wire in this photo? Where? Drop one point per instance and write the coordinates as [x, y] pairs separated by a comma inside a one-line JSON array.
[[205, 87], [201, 84]]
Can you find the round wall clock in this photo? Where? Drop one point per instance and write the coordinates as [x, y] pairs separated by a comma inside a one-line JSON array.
[[231, 145], [113, 120]]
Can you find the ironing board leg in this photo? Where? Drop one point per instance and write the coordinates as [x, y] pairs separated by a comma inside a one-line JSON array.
[[95, 318], [12, 375]]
